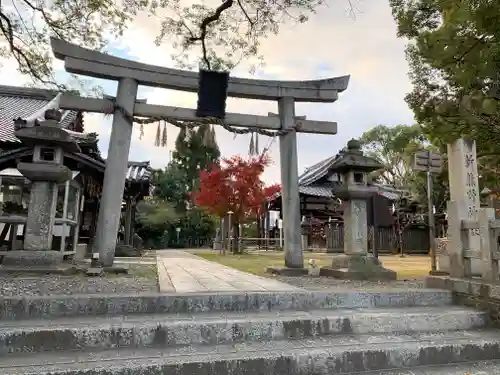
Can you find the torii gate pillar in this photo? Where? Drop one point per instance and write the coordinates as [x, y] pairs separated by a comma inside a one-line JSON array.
[[294, 257], [115, 174]]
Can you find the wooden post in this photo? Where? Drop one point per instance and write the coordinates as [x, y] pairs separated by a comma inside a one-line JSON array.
[[64, 216], [455, 245], [78, 209], [488, 244], [128, 222], [133, 210], [93, 224]]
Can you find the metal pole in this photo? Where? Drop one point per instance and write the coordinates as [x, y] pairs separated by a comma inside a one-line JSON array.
[[230, 229], [431, 221], [400, 232]]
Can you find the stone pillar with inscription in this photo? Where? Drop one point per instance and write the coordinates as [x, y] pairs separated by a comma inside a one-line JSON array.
[[353, 168], [464, 190]]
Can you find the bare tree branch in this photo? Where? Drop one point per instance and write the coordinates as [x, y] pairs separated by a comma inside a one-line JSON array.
[[17, 53], [204, 25]]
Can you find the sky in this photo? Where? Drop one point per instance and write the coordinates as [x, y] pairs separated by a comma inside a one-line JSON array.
[[333, 43]]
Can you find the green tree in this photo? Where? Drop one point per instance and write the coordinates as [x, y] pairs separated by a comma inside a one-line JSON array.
[[155, 213], [171, 188], [454, 59], [170, 184], [195, 150], [394, 147], [155, 217]]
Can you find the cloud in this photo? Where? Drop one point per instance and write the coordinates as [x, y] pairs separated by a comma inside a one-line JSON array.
[[9, 76], [331, 44]]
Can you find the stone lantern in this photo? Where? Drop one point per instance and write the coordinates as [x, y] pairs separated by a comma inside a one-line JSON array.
[[46, 170], [353, 168]]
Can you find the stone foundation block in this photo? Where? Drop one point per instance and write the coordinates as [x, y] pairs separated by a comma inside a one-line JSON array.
[[61, 269], [285, 271], [27, 258], [360, 268], [127, 251]]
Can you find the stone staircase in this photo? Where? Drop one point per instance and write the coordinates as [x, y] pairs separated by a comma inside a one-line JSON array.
[[415, 332]]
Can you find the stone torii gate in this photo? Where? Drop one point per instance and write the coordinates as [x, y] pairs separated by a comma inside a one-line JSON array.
[[130, 74]]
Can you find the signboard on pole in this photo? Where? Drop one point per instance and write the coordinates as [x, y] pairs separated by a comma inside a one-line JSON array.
[[428, 161]]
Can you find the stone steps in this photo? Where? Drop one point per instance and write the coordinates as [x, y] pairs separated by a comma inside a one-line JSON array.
[[468, 368], [264, 333], [320, 356], [162, 331], [53, 307]]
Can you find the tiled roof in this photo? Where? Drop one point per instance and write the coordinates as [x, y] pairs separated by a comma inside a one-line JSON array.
[[139, 171], [28, 104], [316, 191], [317, 171], [328, 191], [390, 195]]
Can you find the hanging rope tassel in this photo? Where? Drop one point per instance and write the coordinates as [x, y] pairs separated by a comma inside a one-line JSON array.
[[164, 135], [206, 136], [158, 134], [213, 139], [141, 134], [257, 144], [251, 147]]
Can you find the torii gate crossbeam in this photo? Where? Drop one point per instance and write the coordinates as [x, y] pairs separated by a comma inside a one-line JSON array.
[[130, 74]]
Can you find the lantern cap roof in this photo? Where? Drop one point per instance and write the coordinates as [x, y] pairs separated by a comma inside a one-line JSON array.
[[351, 158]]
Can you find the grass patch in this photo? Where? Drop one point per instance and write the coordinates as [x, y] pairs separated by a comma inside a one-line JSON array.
[[143, 271], [407, 268]]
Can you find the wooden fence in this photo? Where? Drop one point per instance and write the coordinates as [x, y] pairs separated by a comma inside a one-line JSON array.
[[415, 240], [458, 247]]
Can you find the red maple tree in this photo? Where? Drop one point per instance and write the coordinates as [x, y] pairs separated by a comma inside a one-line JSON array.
[[235, 185]]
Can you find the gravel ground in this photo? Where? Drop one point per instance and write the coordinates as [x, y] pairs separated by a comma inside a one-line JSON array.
[[322, 283], [141, 278]]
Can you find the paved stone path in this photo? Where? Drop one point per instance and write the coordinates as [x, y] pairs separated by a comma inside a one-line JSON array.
[[182, 272]]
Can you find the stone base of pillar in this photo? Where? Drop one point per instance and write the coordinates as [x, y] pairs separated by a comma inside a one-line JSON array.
[[115, 269], [285, 271], [36, 262], [217, 245], [438, 273], [360, 268], [62, 269], [27, 258], [127, 251]]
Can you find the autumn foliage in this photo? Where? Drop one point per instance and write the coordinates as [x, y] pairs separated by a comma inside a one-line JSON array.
[[235, 185]]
